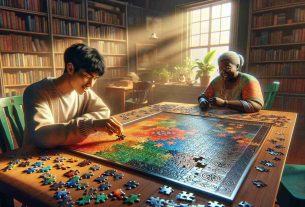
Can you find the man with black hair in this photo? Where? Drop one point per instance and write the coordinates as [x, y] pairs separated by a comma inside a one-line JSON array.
[[64, 110]]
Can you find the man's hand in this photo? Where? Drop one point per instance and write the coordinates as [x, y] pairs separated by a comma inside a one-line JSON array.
[[216, 101], [111, 126]]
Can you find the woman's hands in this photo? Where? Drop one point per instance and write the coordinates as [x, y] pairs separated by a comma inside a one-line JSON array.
[[111, 126], [216, 101]]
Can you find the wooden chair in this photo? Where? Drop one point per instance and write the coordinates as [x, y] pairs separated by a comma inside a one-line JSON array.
[[11, 132], [139, 96], [270, 93]]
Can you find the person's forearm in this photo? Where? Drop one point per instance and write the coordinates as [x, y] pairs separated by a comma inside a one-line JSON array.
[[248, 106], [235, 104]]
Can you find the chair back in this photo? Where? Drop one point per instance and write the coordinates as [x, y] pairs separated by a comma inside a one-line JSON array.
[[140, 92], [270, 93], [11, 122]]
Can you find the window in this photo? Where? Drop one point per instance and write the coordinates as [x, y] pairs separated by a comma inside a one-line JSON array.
[[209, 29]]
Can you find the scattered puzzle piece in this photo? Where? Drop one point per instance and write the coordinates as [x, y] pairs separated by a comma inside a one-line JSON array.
[[101, 198], [44, 158], [49, 180], [24, 163], [91, 192], [61, 166], [105, 186], [72, 160], [185, 196], [61, 194], [30, 170], [261, 169], [267, 163], [82, 186], [166, 190], [215, 204], [56, 186], [109, 172], [45, 169], [259, 183], [59, 159], [87, 175], [118, 176], [86, 199], [66, 202], [117, 194], [9, 167], [244, 204], [131, 184], [84, 163], [95, 167], [71, 173], [155, 201], [38, 164], [132, 198], [101, 179]]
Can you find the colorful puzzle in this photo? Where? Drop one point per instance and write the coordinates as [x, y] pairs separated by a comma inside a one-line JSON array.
[[209, 154]]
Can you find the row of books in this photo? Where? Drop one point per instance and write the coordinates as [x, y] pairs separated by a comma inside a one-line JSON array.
[[106, 32], [277, 69], [18, 91], [260, 4], [75, 9], [279, 37], [109, 47], [34, 5], [16, 21], [271, 19], [25, 77], [23, 43], [60, 45], [69, 28], [25, 60], [286, 85], [114, 73], [105, 17], [277, 54]]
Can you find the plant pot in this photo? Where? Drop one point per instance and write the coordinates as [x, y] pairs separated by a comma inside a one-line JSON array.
[[205, 80]]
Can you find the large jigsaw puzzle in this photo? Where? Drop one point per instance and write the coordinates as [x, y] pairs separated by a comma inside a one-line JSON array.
[[210, 154]]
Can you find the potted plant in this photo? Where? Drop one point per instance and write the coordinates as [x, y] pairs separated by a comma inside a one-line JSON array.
[[184, 72], [205, 68], [161, 74]]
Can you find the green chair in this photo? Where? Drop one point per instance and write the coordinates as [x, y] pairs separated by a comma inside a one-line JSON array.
[[270, 93], [11, 132], [292, 187]]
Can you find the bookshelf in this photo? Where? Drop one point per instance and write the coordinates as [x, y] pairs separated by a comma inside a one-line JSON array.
[[34, 35], [276, 50]]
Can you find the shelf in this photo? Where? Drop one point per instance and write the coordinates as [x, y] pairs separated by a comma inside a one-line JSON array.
[[91, 5], [26, 52], [282, 77], [26, 68], [280, 26], [111, 67], [106, 24], [279, 45], [24, 32], [278, 8], [114, 54], [277, 61], [66, 36], [16, 86], [102, 39], [24, 11], [68, 18]]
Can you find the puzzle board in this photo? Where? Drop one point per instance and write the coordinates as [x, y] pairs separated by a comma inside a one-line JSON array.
[[209, 154]]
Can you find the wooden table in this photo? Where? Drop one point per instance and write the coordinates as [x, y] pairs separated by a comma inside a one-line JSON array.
[[29, 189], [121, 92]]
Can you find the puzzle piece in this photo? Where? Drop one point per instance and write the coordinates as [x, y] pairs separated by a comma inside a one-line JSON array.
[[244, 204], [49, 180], [166, 190], [91, 192], [61, 166], [45, 169], [117, 194], [85, 199], [215, 204], [66, 202], [105, 186], [95, 167], [61, 194], [259, 183], [132, 198], [276, 159], [261, 169], [272, 152], [101, 179], [72, 160], [84, 163], [155, 201], [120, 137], [14, 162], [38, 164], [101, 198], [45, 175], [279, 146], [82, 186], [24, 164], [118, 176], [185, 196], [56, 186], [87, 175], [71, 173], [9, 167], [59, 159], [131, 184], [30, 170], [109, 172], [44, 158], [267, 163]]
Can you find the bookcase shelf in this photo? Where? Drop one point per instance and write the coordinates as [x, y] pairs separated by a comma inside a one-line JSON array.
[[64, 23], [276, 50]]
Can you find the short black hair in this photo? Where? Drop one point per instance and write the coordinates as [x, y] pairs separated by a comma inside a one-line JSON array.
[[84, 57]]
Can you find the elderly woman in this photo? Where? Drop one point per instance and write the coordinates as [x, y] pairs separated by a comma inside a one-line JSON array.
[[232, 88]]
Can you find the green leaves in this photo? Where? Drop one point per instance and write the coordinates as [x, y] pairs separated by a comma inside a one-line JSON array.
[[204, 66]]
